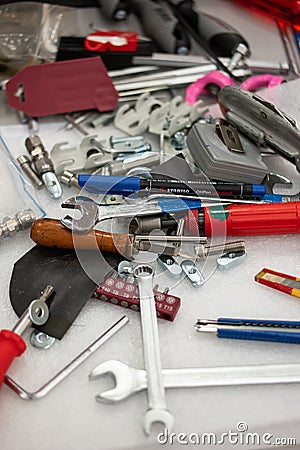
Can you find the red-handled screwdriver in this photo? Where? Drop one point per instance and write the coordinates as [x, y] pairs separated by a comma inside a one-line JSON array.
[[249, 220], [11, 343]]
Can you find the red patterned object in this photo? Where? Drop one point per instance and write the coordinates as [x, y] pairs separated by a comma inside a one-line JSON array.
[[120, 292]]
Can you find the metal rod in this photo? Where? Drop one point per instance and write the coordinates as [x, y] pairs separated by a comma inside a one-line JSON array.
[[170, 60], [172, 239], [169, 74], [131, 71], [164, 83]]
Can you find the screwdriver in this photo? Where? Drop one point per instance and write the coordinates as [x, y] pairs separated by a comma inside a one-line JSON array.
[[52, 233], [214, 36], [11, 342], [173, 25], [231, 220], [282, 331]]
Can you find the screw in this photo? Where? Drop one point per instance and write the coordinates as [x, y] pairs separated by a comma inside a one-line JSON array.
[[239, 53], [178, 141]]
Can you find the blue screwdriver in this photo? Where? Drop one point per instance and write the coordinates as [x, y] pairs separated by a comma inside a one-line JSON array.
[[252, 329]]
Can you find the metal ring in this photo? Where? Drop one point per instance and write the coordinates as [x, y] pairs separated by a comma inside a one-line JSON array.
[[41, 340], [38, 312]]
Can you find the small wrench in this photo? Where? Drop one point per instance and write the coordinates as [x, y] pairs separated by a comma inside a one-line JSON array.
[[129, 380], [157, 407]]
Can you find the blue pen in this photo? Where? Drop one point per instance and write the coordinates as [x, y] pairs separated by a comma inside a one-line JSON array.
[[252, 329], [128, 185]]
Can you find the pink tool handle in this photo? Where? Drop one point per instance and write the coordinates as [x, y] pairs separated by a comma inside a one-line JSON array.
[[258, 81], [11, 346], [200, 86]]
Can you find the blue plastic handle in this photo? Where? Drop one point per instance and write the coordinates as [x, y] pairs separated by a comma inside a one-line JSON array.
[[253, 335], [272, 198], [229, 321], [169, 205], [109, 184]]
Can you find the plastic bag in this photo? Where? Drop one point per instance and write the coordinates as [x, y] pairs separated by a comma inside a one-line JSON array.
[[29, 33], [16, 193]]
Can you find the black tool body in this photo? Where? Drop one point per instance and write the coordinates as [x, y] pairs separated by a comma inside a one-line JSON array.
[[220, 37]]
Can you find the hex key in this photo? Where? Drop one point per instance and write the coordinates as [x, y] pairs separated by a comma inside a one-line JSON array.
[[68, 369]]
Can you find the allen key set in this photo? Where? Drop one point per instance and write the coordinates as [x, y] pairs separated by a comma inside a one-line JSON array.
[[171, 162]]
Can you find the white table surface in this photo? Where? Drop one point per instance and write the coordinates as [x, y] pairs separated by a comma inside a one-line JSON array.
[[69, 417]]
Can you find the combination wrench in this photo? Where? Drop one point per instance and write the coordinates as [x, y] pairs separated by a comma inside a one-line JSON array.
[[129, 380], [157, 407]]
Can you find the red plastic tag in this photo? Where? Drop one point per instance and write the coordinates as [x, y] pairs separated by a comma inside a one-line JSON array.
[[62, 87]]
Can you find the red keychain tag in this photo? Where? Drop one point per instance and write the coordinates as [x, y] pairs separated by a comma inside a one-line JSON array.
[[62, 87]]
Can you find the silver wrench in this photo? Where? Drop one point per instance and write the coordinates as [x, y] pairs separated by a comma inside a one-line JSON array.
[[129, 380], [157, 407], [92, 213]]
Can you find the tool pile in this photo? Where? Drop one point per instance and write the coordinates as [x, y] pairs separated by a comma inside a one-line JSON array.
[[174, 189]]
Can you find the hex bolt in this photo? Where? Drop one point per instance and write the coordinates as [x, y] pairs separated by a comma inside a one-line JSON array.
[[43, 165], [25, 164]]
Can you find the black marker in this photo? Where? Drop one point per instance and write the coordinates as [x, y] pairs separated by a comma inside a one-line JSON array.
[[128, 185]]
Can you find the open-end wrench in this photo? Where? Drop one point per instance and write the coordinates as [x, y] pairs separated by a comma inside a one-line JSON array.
[[157, 407], [92, 213], [129, 380]]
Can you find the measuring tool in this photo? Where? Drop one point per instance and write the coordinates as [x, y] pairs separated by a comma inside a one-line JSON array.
[[280, 281]]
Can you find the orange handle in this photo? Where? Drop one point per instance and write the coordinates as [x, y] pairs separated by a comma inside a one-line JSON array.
[[52, 233]]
